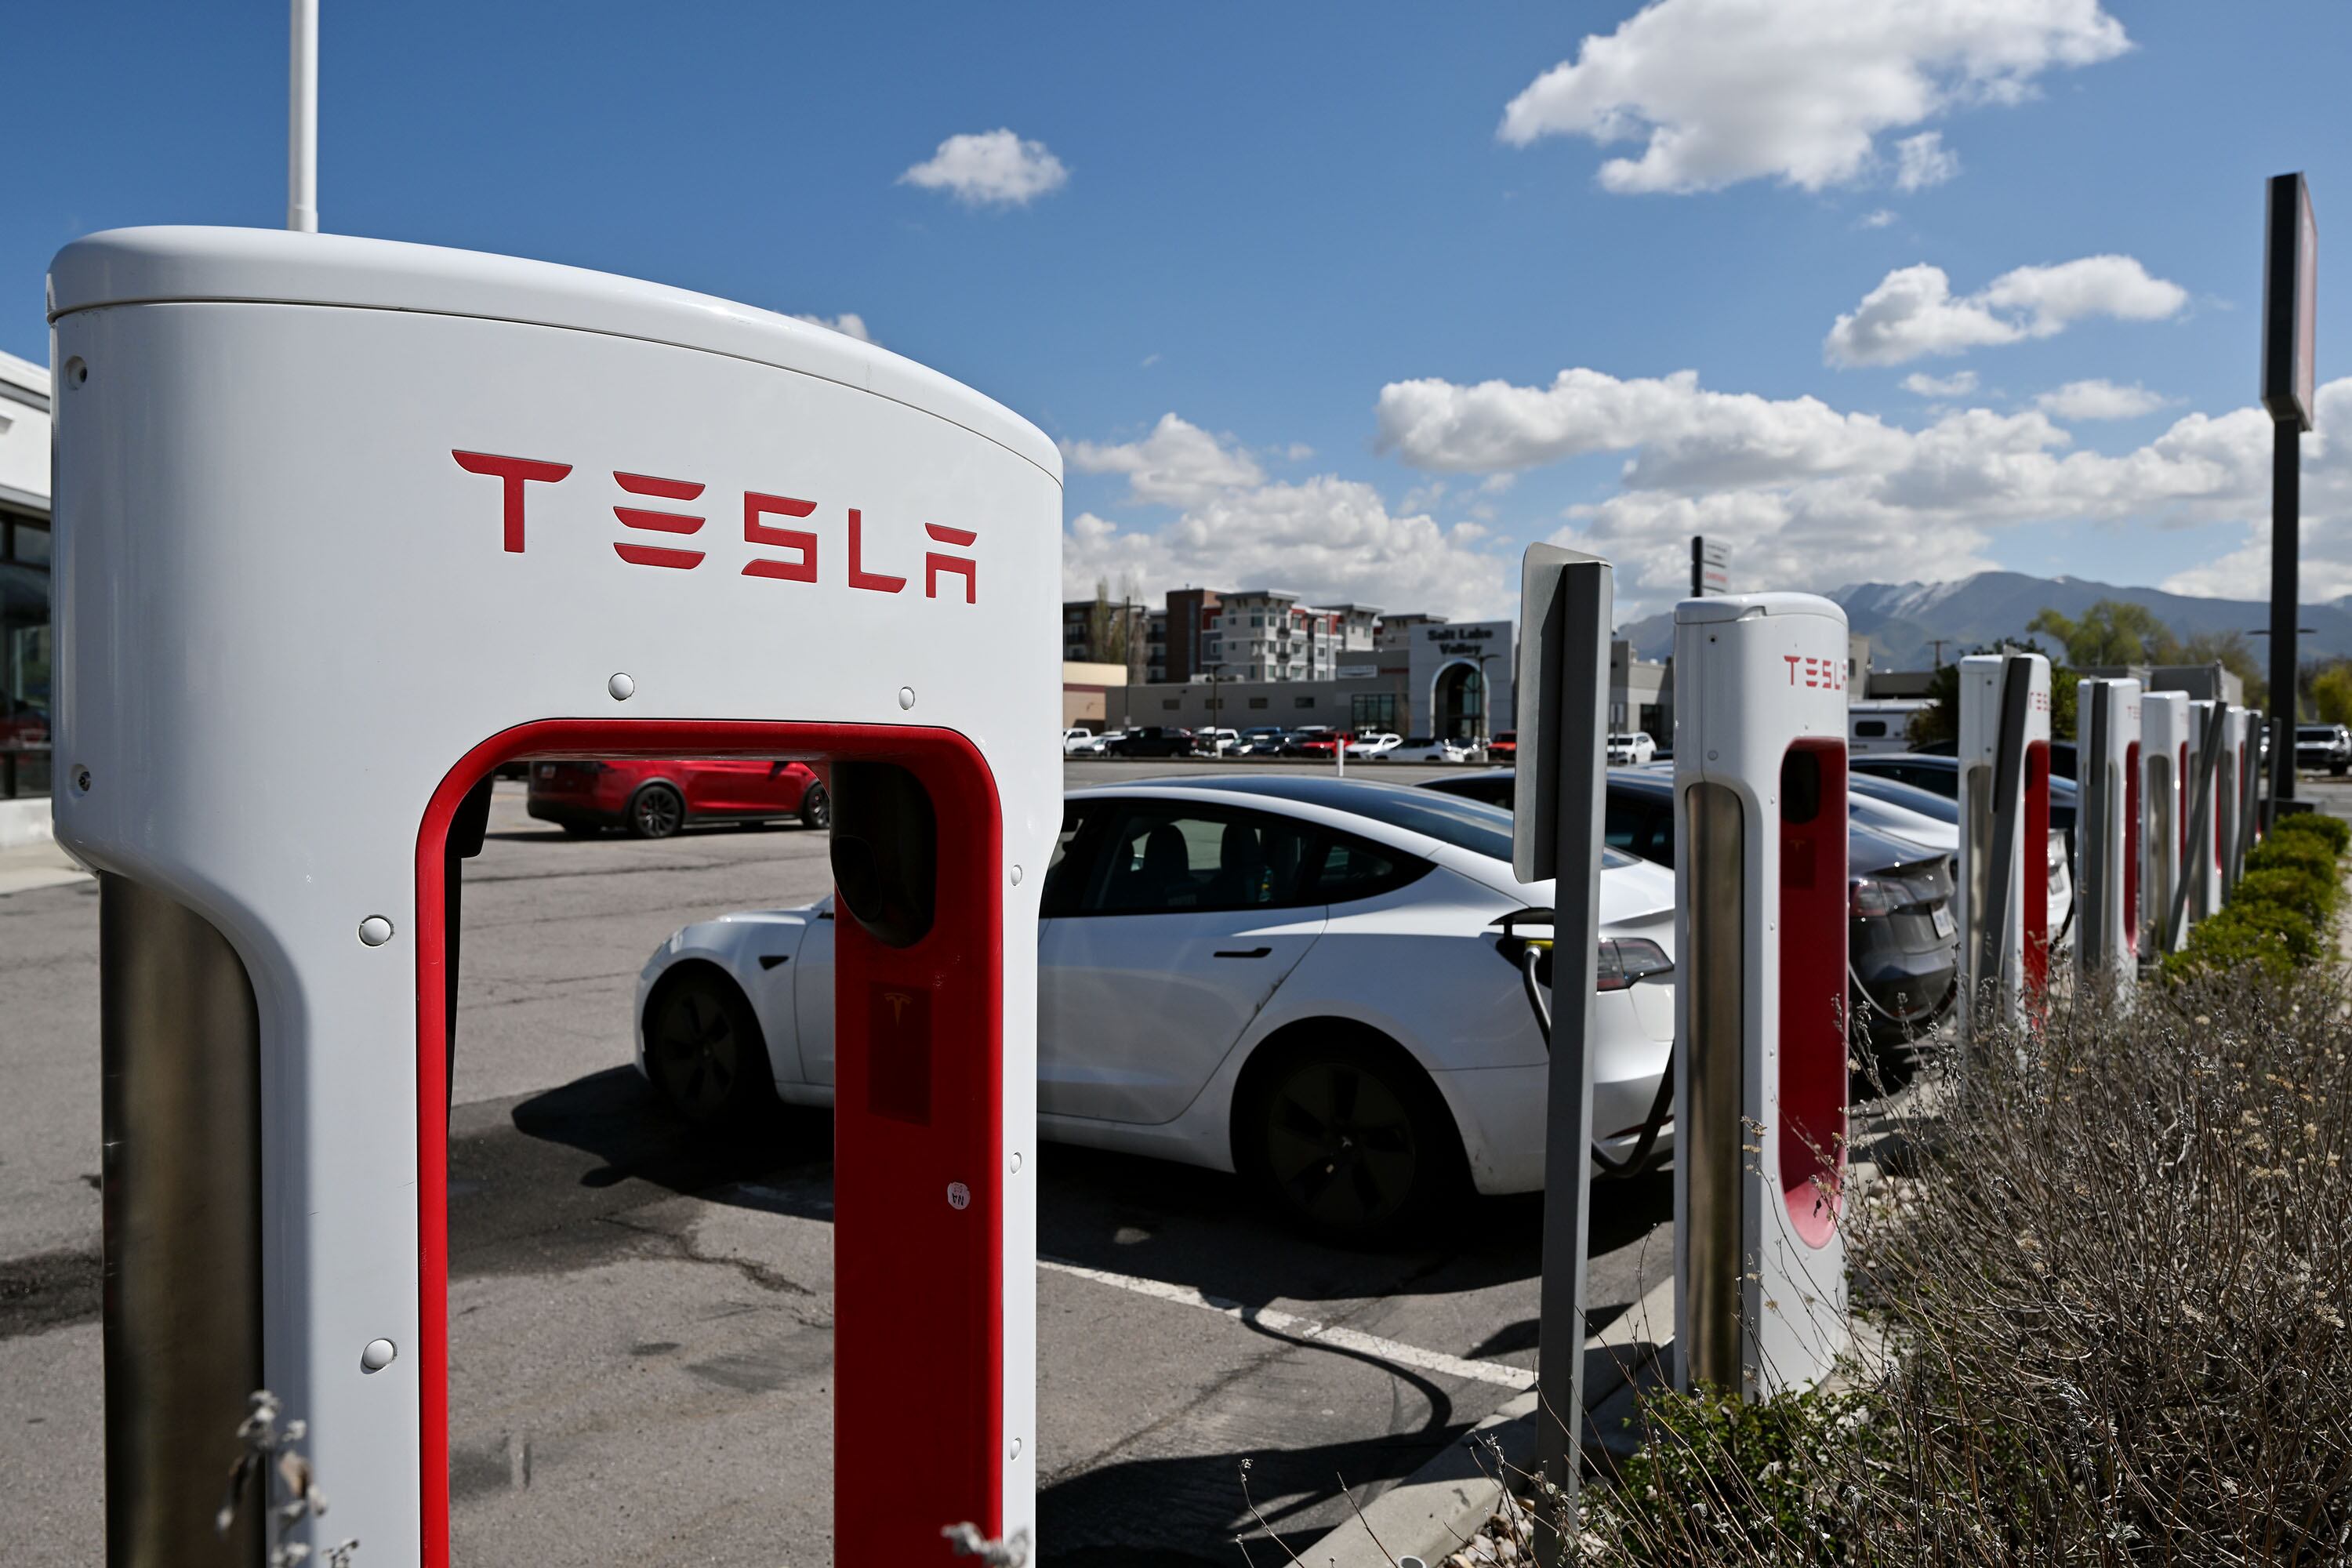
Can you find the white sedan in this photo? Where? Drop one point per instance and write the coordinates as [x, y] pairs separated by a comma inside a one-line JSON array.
[[1301, 979], [1427, 749]]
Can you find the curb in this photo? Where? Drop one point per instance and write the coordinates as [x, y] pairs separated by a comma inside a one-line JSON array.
[[1432, 1511]]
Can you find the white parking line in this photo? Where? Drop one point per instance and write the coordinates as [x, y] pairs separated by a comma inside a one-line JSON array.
[[1389, 1350]]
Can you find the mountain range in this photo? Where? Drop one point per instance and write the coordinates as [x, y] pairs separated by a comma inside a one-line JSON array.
[[1903, 620]]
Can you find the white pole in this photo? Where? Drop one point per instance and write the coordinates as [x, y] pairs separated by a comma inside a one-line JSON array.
[[302, 120]]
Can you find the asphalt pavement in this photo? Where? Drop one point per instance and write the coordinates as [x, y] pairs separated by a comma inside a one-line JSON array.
[[641, 1315]]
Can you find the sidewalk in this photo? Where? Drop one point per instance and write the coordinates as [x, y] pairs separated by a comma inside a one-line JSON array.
[[42, 864]]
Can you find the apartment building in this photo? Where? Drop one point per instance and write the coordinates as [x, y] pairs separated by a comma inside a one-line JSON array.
[[1267, 635]]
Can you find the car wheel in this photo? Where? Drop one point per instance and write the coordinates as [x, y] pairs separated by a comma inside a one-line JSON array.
[[1349, 1139], [580, 830], [704, 1050], [2337, 770], [816, 807], [656, 811]]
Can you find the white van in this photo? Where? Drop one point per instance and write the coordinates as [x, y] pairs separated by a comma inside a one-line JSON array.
[[1883, 724]]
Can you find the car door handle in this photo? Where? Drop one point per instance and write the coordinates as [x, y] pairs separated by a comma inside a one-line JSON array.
[[1246, 952]]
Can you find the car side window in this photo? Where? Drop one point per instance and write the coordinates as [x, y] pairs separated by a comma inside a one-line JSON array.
[[1066, 874], [1348, 868], [1622, 823], [1182, 859]]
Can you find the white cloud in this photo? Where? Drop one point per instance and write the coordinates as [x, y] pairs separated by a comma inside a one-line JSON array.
[[1960, 383], [2099, 400], [1724, 90], [1879, 219], [1912, 310], [1921, 161], [1330, 538], [849, 325], [990, 168], [1811, 497], [1179, 463]]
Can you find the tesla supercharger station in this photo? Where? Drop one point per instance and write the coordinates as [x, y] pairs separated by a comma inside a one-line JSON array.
[[2245, 798], [2164, 834], [1760, 933], [2107, 827], [2208, 760], [342, 524], [2004, 882]]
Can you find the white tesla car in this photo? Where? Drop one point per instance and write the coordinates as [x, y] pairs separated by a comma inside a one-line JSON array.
[[1299, 978]]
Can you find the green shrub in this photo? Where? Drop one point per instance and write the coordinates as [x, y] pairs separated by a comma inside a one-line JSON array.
[[2293, 851], [2334, 830], [2291, 888], [2268, 934]]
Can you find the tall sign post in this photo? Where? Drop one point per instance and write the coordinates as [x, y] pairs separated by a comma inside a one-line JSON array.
[[1566, 605], [2290, 309], [1710, 567]]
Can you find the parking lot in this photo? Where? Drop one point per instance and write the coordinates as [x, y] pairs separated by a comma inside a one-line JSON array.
[[641, 1314]]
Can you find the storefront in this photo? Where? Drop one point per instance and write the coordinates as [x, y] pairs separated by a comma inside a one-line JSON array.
[[26, 642]]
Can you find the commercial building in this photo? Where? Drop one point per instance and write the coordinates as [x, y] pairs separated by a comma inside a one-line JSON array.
[[1640, 693], [27, 641], [1088, 694], [1185, 647], [1103, 631], [1265, 634]]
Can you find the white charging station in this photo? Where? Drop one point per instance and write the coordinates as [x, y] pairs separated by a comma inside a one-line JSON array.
[[2208, 720], [1761, 1004], [341, 525], [2164, 835], [2005, 882], [2245, 797], [2107, 827]]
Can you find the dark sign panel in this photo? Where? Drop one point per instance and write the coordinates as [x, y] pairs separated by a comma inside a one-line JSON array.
[[1710, 568], [2290, 301]]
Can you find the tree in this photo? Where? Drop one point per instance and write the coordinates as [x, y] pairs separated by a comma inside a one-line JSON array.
[[2111, 632], [2331, 693]]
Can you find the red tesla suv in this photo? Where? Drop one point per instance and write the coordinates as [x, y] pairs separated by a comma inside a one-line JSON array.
[[653, 799]]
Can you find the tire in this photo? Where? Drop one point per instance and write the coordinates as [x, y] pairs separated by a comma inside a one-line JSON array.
[[2337, 770], [816, 808], [704, 1050], [1349, 1138], [581, 829], [656, 811]]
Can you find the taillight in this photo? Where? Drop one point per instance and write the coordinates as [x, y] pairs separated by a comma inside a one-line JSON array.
[[1627, 961], [1874, 897]]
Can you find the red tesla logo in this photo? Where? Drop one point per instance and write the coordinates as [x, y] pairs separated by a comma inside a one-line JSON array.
[[798, 565], [1820, 674]]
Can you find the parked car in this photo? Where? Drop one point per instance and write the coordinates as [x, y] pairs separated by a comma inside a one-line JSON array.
[[1324, 745], [1296, 977], [1941, 775], [1631, 750], [1154, 741], [1503, 746], [1217, 742], [1076, 741], [1294, 740], [1370, 747], [1425, 748], [654, 799], [1263, 740], [2325, 746], [1901, 942]]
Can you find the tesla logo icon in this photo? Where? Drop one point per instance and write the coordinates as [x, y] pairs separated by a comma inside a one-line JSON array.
[[797, 563], [897, 1052]]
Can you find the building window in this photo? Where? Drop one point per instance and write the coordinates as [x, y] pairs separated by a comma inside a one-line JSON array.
[[26, 646], [1169, 703], [1303, 701], [1257, 702], [1373, 711]]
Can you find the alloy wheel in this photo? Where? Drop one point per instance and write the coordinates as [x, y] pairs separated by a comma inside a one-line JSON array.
[[1340, 1146]]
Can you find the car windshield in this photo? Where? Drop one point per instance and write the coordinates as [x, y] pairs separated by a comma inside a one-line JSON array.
[[1465, 823]]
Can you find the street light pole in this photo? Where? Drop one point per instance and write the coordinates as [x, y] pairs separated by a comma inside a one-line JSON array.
[[302, 119]]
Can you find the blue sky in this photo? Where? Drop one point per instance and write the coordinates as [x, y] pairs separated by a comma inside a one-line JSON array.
[[1313, 235]]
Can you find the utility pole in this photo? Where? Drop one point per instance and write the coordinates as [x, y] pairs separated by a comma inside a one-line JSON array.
[[1939, 644], [2290, 301], [302, 119]]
